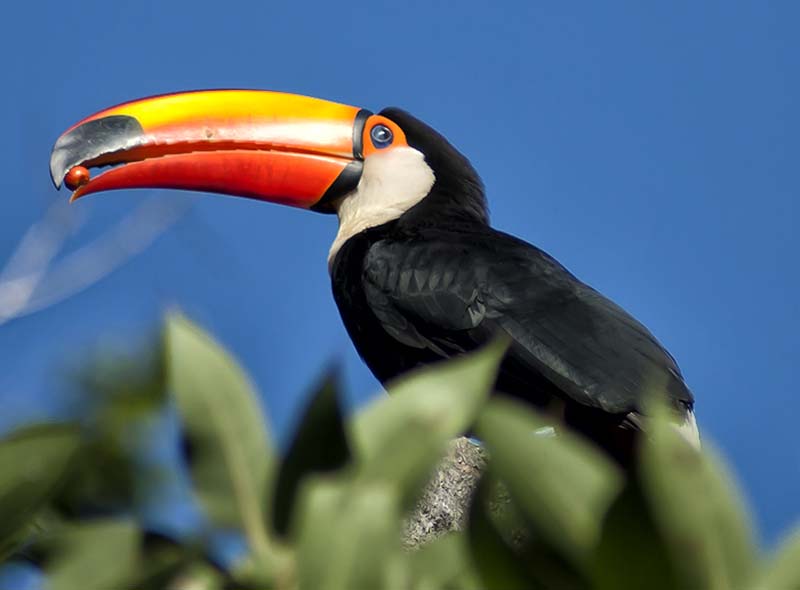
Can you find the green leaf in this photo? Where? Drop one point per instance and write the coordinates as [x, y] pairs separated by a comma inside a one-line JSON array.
[[119, 396], [34, 463], [319, 445], [100, 555], [400, 439], [118, 384], [631, 553], [696, 507], [347, 536], [443, 563], [164, 562], [231, 459], [493, 556], [562, 484], [782, 571], [507, 552], [195, 576]]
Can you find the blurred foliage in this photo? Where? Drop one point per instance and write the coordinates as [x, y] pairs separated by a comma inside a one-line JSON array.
[[548, 512]]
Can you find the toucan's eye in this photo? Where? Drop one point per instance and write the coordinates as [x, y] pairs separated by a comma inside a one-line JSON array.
[[381, 136]]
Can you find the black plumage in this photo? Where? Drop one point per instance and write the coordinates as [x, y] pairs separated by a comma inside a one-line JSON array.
[[438, 281]]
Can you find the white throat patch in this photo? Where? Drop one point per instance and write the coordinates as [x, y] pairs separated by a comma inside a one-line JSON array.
[[391, 183]]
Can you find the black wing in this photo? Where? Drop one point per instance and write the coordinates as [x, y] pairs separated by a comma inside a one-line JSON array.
[[449, 292]]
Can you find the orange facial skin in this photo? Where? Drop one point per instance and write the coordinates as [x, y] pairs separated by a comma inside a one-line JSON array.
[[369, 147]]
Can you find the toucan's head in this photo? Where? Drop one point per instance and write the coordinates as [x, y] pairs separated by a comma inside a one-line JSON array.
[[284, 148]]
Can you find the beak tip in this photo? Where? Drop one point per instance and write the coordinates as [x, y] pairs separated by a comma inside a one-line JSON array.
[[57, 171], [89, 140]]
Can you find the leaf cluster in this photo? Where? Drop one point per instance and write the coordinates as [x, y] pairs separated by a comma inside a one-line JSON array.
[[328, 513]]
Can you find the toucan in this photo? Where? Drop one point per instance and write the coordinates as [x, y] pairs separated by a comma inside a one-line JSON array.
[[418, 274]]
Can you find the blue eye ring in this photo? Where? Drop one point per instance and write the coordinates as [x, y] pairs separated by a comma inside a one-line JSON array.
[[381, 136]]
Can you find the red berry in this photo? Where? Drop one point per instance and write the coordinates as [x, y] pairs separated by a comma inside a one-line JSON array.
[[76, 177]]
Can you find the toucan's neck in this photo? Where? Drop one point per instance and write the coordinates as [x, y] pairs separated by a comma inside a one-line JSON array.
[[452, 201]]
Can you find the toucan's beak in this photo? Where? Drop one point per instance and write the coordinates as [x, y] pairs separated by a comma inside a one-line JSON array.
[[272, 146]]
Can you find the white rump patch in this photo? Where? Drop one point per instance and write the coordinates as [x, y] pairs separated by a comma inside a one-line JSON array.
[[391, 183], [545, 432], [688, 430]]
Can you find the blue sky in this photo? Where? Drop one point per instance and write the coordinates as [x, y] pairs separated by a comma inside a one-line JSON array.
[[650, 148]]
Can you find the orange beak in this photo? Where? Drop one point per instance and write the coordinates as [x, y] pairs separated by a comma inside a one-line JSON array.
[[285, 148]]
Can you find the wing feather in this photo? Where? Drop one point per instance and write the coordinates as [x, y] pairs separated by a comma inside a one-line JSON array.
[[451, 292]]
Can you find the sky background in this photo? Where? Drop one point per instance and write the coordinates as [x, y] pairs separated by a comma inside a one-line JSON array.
[[651, 148]]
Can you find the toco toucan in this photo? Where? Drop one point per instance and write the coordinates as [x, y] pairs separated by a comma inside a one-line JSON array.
[[417, 272]]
